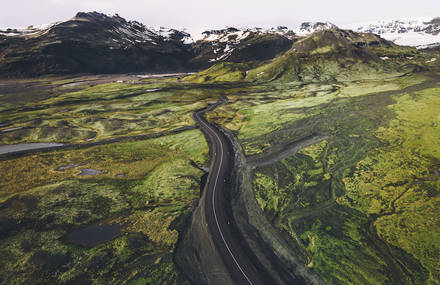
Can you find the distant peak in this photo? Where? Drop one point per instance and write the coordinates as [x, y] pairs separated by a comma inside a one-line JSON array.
[[97, 16], [311, 27], [435, 21], [420, 33], [221, 31]]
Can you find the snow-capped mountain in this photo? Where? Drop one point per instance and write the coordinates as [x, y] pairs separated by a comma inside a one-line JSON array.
[[93, 42], [29, 31], [99, 43], [308, 28], [236, 34], [124, 32], [420, 33], [241, 45], [248, 44]]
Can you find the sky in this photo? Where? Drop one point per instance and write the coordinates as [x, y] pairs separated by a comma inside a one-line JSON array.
[[197, 15]]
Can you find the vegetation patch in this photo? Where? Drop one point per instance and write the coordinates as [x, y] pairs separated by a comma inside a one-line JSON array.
[[43, 203], [361, 207]]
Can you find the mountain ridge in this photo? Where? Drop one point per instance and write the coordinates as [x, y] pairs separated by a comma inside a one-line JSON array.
[[420, 33], [327, 55], [93, 42]]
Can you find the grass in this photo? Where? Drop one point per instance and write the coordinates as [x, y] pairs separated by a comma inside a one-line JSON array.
[[361, 207], [255, 117], [399, 182], [223, 72], [358, 208], [133, 159], [102, 111], [326, 56], [41, 205]]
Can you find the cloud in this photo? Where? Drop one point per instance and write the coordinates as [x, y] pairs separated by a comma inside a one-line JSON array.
[[57, 2], [214, 13]]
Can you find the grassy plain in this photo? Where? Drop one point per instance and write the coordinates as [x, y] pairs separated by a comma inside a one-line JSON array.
[[93, 112], [147, 186], [362, 206]]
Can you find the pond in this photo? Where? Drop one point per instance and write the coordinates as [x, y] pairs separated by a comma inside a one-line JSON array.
[[26, 146], [95, 234]]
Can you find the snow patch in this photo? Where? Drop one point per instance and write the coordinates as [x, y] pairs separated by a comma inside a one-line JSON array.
[[419, 33]]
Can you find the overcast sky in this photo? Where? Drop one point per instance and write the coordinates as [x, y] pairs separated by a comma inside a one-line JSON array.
[[203, 14]]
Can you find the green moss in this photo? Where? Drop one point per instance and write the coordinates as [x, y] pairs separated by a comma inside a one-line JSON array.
[[399, 182], [41, 205], [362, 206], [222, 72], [104, 111]]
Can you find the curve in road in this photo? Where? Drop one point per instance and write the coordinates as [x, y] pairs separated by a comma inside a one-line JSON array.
[[241, 269]]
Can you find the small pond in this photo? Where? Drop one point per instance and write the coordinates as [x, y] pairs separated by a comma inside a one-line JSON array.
[[95, 234], [26, 146]]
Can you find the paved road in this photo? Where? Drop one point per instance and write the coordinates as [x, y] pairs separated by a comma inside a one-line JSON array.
[[236, 259]]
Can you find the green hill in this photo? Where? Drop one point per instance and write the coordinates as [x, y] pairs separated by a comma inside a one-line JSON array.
[[327, 55]]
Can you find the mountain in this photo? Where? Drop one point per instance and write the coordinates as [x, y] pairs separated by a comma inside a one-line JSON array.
[[99, 43], [29, 31], [326, 55], [92, 43], [308, 28], [421, 33], [250, 44], [241, 45]]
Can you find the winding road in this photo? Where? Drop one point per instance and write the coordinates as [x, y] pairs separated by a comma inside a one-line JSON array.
[[237, 261]]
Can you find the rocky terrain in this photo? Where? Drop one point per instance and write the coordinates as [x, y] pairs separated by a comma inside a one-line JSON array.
[[99, 43], [421, 33], [241, 45], [92, 43], [304, 155], [326, 55]]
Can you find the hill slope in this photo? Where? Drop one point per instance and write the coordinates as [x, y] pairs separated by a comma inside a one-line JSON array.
[[235, 45], [421, 33], [99, 43], [326, 55], [95, 43]]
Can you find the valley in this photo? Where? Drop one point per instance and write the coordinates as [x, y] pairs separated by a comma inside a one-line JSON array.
[[246, 157]]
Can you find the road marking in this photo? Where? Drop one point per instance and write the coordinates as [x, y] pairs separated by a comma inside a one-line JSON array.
[[213, 203]]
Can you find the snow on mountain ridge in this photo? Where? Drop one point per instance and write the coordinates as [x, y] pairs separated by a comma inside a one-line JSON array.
[[124, 31], [31, 30], [420, 33], [307, 28], [226, 40]]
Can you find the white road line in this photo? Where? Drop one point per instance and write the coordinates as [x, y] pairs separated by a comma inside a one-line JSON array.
[[213, 203]]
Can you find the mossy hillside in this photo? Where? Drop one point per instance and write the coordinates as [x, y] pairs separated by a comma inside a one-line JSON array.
[[395, 185], [254, 47], [156, 190], [104, 111], [255, 117], [329, 55], [399, 183], [222, 72], [331, 211], [336, 55], [35, 225], [109, 110], [132, 159]]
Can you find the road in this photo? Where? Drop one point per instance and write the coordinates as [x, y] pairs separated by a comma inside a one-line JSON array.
[[235, 257]]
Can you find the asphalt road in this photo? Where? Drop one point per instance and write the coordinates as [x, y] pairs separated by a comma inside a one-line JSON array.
[[237, 261]]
